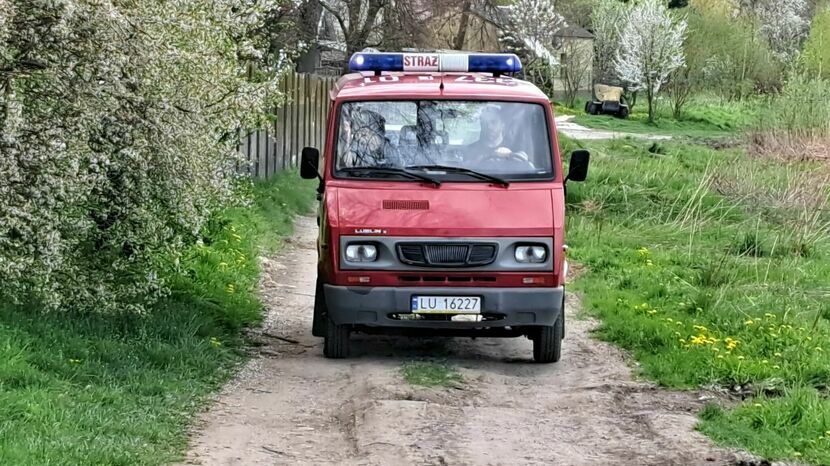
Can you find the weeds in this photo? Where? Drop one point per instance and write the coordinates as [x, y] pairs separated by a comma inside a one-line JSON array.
[[708, 268], [431, 374]]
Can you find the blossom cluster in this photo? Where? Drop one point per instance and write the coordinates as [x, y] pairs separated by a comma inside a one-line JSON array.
[[118, 133]]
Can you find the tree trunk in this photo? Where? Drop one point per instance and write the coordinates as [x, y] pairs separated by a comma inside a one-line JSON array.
[[650, 97], [461, 36]]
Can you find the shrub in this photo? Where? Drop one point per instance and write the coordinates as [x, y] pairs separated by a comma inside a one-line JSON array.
[[732, 59], [797, 122], [117, 138], [816, 55]]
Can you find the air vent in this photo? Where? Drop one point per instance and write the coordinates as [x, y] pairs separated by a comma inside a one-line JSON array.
[[395, 204]]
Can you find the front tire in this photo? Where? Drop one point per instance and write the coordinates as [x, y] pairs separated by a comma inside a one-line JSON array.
[[547, 342], [336, 341], [318, 323]]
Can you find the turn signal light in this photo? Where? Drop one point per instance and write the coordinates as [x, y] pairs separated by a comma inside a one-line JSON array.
[[533, 280], [358, 279]]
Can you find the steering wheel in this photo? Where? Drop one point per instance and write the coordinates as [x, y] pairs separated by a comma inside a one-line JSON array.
[[512, 156]]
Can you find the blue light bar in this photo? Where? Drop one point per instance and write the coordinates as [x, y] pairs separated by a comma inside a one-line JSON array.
[[475, 62]]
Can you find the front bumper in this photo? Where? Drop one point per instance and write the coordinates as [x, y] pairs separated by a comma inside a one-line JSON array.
[[503, 307]]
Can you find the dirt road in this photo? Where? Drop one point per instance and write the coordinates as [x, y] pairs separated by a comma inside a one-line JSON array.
[[292, 406], [576, 131]]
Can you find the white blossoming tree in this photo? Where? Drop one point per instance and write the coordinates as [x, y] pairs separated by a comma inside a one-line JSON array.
[[118, 133], [651, 48], [783, 22], [608, 19], [531, 28]]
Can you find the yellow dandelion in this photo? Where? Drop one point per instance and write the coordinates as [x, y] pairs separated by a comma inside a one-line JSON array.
[[818, 348], [215, 342], [776, 367], [649, 263], [809, 338], [679, 323], [769, 316], [777, 355], [653, 311], [643, 251], [669, 319], [230, 288], [698, 340], [715, 349], [757, 405], [740, 358], [720, 356], [764, 361], [700, 328]]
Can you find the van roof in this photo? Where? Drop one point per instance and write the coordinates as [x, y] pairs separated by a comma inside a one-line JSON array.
[[427, 85]]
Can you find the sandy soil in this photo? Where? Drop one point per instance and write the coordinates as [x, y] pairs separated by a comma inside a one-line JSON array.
[[289, 405]]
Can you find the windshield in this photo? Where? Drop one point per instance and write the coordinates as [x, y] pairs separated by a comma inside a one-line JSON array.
[[507, 140]]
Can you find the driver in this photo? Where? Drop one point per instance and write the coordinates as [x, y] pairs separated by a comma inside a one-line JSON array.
[[490, 145]]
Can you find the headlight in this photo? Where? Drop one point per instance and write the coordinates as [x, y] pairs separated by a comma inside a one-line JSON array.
[[361, 253], [531, 254]]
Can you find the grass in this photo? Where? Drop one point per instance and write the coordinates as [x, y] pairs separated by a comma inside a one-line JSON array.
[[702, 118], [122, 390], [430, 374], [712, 268]]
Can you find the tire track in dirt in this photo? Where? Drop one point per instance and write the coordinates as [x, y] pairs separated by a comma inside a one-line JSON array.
[[289, 405]]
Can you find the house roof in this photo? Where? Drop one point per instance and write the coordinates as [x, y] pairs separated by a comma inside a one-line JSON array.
[[574, 32]]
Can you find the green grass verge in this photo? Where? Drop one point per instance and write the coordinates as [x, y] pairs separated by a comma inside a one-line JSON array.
[[702, 118], [712, 268], [431, 374], [122, 390]]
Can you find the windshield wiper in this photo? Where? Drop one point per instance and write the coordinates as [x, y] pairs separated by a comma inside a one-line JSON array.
[[466, 171], [391, 171]]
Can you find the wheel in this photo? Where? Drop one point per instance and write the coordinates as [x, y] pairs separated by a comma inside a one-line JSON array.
[[592, 108], [318, 323], [623, 113], [547, 342], [336, 341]]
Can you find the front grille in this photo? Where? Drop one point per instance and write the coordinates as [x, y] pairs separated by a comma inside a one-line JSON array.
[[447, 254]]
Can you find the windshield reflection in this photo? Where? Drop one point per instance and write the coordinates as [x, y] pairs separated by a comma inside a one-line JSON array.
[[504, 139]]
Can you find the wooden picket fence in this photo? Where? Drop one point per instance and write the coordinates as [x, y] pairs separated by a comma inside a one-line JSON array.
[[300, 122]]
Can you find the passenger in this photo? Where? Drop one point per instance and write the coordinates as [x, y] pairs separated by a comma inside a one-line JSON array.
[[367, 142]]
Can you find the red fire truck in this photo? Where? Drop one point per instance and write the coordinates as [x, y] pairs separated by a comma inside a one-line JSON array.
[[442, 203]]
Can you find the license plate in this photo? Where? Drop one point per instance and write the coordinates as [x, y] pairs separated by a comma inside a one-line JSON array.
[[446, 304]]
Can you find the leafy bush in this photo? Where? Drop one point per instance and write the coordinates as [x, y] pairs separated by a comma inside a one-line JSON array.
[[797, 122], [117, 138], [732, 59], [816, 54]]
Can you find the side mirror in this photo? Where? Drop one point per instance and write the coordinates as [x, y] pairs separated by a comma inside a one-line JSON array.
[[578, 168], [309, 163]]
